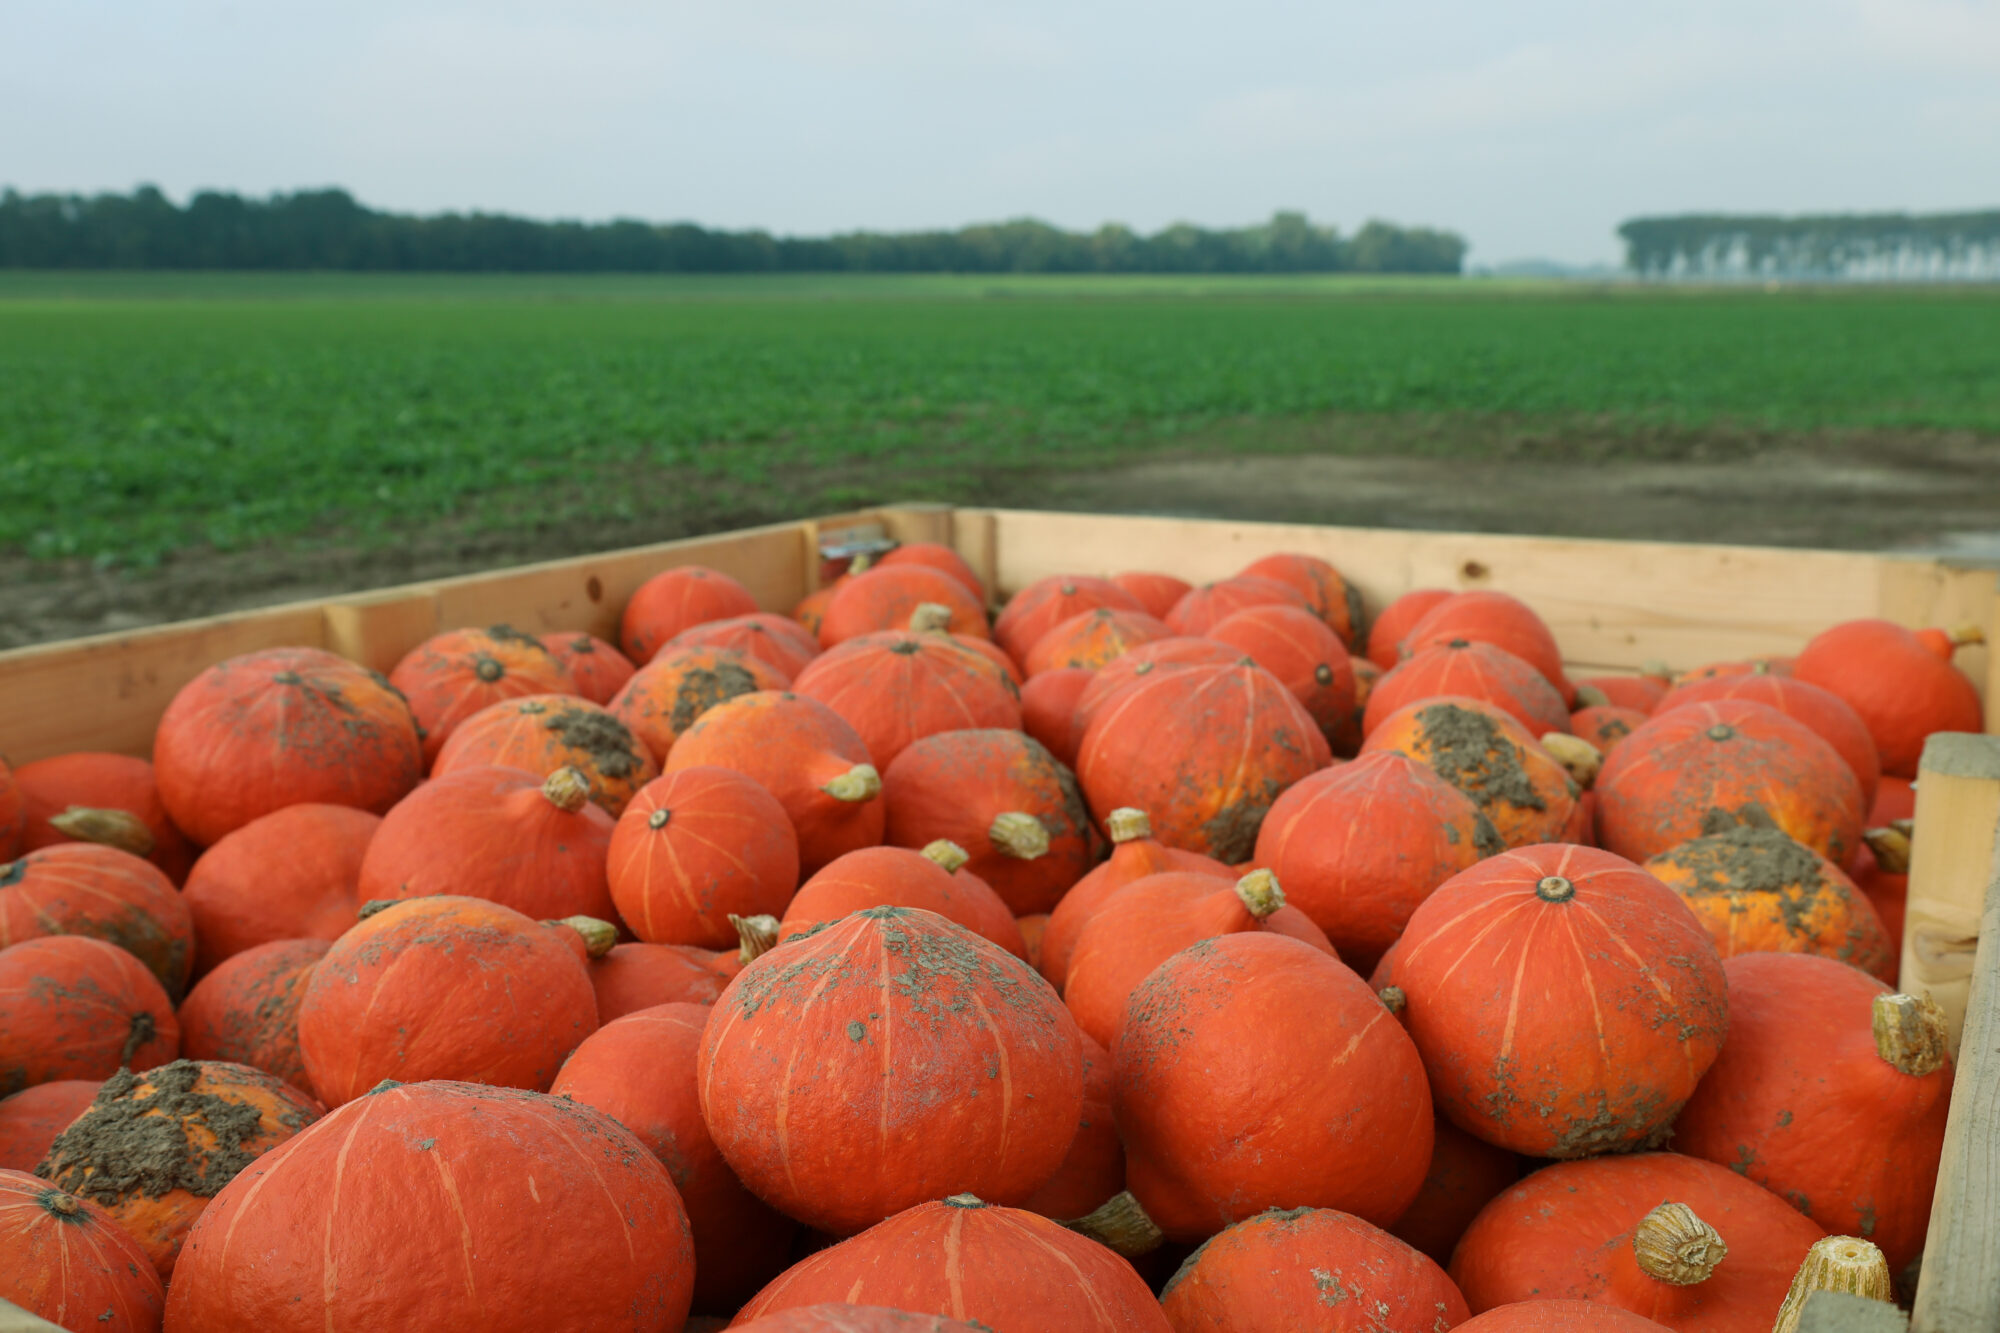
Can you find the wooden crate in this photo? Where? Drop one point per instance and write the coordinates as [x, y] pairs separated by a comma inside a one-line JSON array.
[[1614, 606]]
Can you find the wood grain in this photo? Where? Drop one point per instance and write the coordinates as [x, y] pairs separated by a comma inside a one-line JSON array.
[[1957, 818], [13, 1319]]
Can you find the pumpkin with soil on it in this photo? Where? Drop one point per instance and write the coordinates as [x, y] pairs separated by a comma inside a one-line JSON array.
[[932, 880], [1831, 1092], [694, 849], [1001, 1268], [93, 797], [1135, 855], [1901, 683], [1820, 711], [1605, 726], [1756, 890], [1678, 1240], [678, 599], [1092, 638], [1204, 752], [1048, 602], [1156, 593], [1328, 594], [1005, 800], [1463, 668], [1048, 709], [1560, 1052], [282, 727], [534, 844], [70, 1263], [72, 1007], [779, 642], [1477, 747], [1465, 1174], [1211, 1137], [933, 555], [1302, 651], [154, 1148], [1385, 636], [247, 1010], [639, 1069], [32, 1117], [546, 1214], [443, 988], [542, 733], [1708, 767], [805, 755], [897, 688], [1294, 1268], [669, 694], [598, 668], [293, 874], [884, 600], [1209, 604], [86, 889], [451, 676], [1505, 621], [887, 1017]]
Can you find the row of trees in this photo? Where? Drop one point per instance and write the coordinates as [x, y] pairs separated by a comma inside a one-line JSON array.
[[1878, 246], [329, 229]]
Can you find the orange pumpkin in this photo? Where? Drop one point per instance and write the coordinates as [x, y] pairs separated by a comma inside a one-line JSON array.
[[32, 1117], [598, 669], [1159, 658], [1463, 668], [934, 556], [811, 609], [81, 797], [884, 1018], [1155, 592], [1135, 854], [1299, 649], [666, 696], [1048, 708], [631, 977], [247, 1010], [84, 889], [1283, 1268], [678, 599], [1211, 1137], [1606, 726], [1756, 890], [804, 754], [1092, 638], [1328, 594], [1003, 798], [293, 874], [544, 732], [154, 1184], [1209, 604], [1639, 1232], [1895, 799], [886, 599], [13, 815], [72, 1007], [443, 988], [1641, 693], [695, 848], [897, 687], [1560, 1052], [1465, 1173], [897, 877], [1707, 767], [779, 642], [1386, 635], [282, 727], [640, 1070], [1558, 1317], [1902, 684], [1882, 871], [1358, 846], [1822, 712], [1048, 602], [840, 1317], [68, 1262], [1094, 1169], [453, 675], [1761, 666], [545, 1213], [1497, 618], [1003, 1268], [1346, 739], [1483, 751], [1204, 752]]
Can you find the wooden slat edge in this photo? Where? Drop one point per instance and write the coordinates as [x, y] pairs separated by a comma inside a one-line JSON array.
[[1957, 820], [13, 1319]]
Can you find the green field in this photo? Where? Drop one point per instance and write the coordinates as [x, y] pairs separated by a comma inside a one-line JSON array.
[[141, 414]]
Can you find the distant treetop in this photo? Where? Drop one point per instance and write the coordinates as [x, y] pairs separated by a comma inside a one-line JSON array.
[[1902, 247]]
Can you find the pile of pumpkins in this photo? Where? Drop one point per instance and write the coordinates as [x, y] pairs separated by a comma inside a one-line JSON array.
[[1145, 957]]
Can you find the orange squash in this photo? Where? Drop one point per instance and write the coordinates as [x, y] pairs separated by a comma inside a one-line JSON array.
[[885, 599], [1560, 1052], [935, 556], [1386, 635], [666, 696], [156, 1184], [897, 877], [1048, 708], [282, 727], [1463, 668], [1092, 638], [779, 642], [885, 1018], [247, 1010], [630, 977], [1159, 658], [1209, 604], [1094, 1169], [292, 874], [544, 732], [1003, 798], [1046, 603], [32, 1117], [1212, 1137], [898, 687], [451, 676], [1822, 712], [1642, 693], [1902, 684], [840, 1317], [678, 599], [1606, 726], [1135, 854], [1882, 871], [598, 669], [85, 889], [1558, 1317], [1346, 739], [72, 1007], [1895, 799], [695, 848], [1465, 1174], [1757, 890], [1497, 618], [1156, 592], [1707, 767], [68, 1262], [81, 797], [804, 754], [1328, 594], [1299, 649], [1483, 751], [1358, 846], [13, 815]]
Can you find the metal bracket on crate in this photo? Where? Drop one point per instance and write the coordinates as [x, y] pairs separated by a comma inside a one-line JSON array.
[[838, 547]]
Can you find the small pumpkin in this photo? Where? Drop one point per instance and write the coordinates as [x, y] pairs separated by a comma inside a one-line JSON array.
[[247, 1010], [1605, 726], [292, 874], [1209, 604], [1559, 1317], [13, 815], [86, 889], [695, 848], [666, 696], [1498, 618], [1479, 748], [779, 642], [1822, 712], [1398, 618], [1327, 592], [1155, 592], [1161, 657], [282, 727], [1092, 638], [1093, 1172], [1299, 649], [598, 669], [1048, 602], [1901, 683], [935, 556], [898, 687], [1895, 799], [674, 600], [1464, 1176], [1465, 668], [840, 1317], [32, 1117], [1048, 708], [70, 1263], [1641, 693], [545, 732], [80, 797], [1135, 854], [47, 1033], [449, 677], [886, 599], [897, 877]]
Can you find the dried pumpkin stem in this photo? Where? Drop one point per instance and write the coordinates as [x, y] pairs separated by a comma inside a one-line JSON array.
[[1654, 669], [1260, 893], [930, 618], [755, 936], [568, 789], [1910, 1033], [1395, 999], [1836, 1263], [860, 783], [598, 936], [948, 855], [107, 828], [1589, 696], [1962, 636], [1891, 847], [1120, 1224], [1127, 825], [1018, 835], [1674, 1245], [1579, 758]]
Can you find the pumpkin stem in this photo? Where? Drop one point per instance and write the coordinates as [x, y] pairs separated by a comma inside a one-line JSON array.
[[755, 935], [598, 936], [1579, 758], [107, 828], [1674, 1245], [1395, 999], [857, 784], [1836, 1263], [948, 855], [1965, 635], [1121, 1225], [1910, 1033], [1654, 669], [568, 789], [1019, 835], [1260, 893], [1891, 846], [1555, 889], [930, 618], [1589, 696], [862, 562], [1127, 825]]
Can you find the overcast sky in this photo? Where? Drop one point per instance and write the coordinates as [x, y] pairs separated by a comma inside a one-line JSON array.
[[1532, 126]]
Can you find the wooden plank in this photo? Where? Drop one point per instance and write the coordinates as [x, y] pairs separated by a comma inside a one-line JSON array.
[[1957, 821], [1839, 1312], [13, 1319], [1959, 1289]]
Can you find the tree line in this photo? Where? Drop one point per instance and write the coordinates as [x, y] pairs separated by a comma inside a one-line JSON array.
[[330, 229], [1860, 246]]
